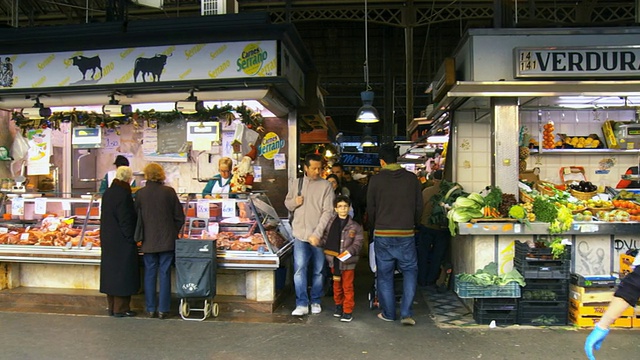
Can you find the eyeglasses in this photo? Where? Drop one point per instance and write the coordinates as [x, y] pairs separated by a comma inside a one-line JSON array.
[[342, 206]]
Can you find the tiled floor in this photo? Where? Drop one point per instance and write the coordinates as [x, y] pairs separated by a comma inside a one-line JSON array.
[[447, 310]]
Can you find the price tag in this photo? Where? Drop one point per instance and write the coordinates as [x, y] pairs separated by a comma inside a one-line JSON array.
[[40, 206], [517, 228], [66, 206], [202, 208], [4, 230], [589, 228], [24, 236], [17, 206], [214, 228], [228, 208]]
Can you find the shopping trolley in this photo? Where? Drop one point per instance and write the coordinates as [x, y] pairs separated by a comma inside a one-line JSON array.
[[196, 272]]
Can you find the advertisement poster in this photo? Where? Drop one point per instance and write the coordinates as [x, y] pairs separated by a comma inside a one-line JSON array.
[[39, 151]]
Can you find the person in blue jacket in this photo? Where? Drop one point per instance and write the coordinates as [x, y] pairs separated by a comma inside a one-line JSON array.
[[220, 183]]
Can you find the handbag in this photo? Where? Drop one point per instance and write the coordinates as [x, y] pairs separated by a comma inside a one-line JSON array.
[[138, 234]]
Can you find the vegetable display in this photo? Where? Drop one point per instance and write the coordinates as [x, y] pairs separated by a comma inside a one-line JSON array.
[[488, 276]]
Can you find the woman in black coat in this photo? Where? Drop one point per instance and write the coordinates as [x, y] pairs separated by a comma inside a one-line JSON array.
[[119, 271]]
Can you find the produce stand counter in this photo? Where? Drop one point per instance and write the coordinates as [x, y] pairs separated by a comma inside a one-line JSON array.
[[596, 249], [256, 276]]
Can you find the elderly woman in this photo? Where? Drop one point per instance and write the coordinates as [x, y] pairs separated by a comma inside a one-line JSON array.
[[162, 218], [220, 183], [119, 271]]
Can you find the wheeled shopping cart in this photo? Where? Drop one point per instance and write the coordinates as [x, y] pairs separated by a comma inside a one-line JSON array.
[[196, 274]]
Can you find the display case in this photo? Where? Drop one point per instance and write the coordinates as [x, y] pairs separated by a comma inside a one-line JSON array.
[[248, 232], [44, 229]]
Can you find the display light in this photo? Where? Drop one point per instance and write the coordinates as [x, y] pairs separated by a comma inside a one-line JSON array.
[[190, 105], [114, 109], [38, 111]]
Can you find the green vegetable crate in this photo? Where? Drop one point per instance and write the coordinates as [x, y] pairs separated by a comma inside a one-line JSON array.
[[468, 290]]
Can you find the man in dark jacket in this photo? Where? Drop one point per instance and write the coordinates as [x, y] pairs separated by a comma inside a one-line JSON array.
[[119, 271], [162, 218], [394, 207]]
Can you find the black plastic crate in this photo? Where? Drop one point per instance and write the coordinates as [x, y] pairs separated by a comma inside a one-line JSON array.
[[495, 304], [543, 269], [546, 290], [524, 252], [501, 317], [543, 313]]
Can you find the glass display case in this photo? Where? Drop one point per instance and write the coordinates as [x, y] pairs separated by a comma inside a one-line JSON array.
[[248, 232]]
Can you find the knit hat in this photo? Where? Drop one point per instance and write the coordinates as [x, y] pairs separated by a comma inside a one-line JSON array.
[[121, 161]]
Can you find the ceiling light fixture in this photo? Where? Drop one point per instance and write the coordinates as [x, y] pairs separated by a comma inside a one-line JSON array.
[[367, 114], [190, 105], [38, 111], [367, 138], [114, 109]]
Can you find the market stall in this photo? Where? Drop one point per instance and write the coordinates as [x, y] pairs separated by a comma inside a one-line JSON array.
[[558, 104], [235, 90]]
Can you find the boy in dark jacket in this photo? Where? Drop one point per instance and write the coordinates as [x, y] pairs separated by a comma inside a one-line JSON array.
[[342, 241]]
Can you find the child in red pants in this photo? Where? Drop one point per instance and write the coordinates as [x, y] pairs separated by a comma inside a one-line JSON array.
[[342, 241]]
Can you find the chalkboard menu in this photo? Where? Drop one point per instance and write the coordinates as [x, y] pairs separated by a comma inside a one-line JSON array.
[[172, 136]]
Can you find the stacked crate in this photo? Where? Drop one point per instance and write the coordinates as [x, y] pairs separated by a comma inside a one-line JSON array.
[[545, 298], [497, 303], [589, 299]]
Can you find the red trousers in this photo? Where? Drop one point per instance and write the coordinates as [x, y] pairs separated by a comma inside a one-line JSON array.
[[343, 293]]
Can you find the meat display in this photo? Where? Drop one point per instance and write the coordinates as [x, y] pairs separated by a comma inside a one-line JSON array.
[[226, 240], [50, 233]]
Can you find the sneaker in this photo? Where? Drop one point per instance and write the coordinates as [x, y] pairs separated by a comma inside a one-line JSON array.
[[300, 311], [408, 321], [316, 308], [381, 317], [346, 317], [338, 312]]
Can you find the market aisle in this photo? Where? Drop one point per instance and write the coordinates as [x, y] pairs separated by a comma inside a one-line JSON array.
[[43, 336]]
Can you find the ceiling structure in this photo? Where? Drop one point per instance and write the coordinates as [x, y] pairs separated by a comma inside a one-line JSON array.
[[334, 34]]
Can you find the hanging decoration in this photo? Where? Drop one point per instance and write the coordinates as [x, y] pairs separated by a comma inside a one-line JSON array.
[[253, 120]]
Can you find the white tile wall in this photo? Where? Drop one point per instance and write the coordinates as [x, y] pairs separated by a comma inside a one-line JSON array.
[[473, 155]]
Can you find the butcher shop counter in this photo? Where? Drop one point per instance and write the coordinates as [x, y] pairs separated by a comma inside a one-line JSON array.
[[596, 249], [253, 266]]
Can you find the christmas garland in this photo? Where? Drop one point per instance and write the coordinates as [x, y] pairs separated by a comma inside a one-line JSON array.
[[253, 120]]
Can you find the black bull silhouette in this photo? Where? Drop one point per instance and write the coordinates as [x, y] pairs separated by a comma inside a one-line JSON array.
[[154, 66], [85, 63]]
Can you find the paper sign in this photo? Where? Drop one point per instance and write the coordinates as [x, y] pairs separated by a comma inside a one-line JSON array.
[[517, 228], [110, 141], [589, 228], [213, 228], [3, 230], [257, 174], [228, 208], [202, 210], [24, 236], [66, 206], [201, 144], [344, 256], [17, 206], [40, 206], [279, 162]]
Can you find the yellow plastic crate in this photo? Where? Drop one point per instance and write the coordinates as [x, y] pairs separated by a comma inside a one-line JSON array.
[[590, 295], [591, 321], [596, 309]]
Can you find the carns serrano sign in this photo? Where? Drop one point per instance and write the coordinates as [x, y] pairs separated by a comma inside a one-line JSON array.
[[583, 62]]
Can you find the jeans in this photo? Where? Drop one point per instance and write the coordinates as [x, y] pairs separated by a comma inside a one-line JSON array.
[[157, 266], [392, 252], [431, 245], [305, 254]]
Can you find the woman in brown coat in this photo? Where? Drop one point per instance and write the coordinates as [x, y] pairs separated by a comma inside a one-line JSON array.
[[119, 271], [162, 218]]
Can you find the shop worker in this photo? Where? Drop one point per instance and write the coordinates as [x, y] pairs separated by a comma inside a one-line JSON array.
[[110, 175], [312, 209], [220, 183], [394, 208], [626, 295]]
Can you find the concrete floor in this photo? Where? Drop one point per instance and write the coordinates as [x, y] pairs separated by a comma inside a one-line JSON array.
[[56, 335]]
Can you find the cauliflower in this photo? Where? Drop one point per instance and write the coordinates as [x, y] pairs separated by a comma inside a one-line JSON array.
[[517, 212]]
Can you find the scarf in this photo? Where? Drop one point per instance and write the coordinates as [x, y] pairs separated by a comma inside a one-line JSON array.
[[332, 247]]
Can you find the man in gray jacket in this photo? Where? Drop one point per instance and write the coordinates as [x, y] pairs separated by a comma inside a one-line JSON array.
[[312, 210]]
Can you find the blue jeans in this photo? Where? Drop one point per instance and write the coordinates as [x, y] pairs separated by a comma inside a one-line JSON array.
[[431, 245], [392, 252], [157, 266], [305, 254]]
